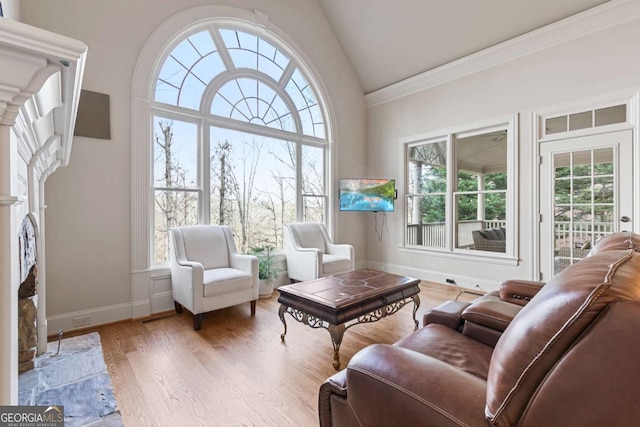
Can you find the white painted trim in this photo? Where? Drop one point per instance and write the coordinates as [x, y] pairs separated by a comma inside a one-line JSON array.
[[612, 13], [630, 97], [436, 276], [99, 316]]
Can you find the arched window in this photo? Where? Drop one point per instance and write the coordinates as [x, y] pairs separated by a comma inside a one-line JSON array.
[[239, 137]]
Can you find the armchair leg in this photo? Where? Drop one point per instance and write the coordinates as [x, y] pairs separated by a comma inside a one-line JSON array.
[[197, 321], [178, 307], [253, 307]]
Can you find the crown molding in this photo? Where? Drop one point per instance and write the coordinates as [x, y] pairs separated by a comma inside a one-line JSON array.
[[607, 15]]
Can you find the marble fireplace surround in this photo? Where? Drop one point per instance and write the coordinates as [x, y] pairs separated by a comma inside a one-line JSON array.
[[40, 80]]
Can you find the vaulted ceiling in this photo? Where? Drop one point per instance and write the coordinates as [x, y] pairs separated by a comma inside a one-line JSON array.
[[390, 40]]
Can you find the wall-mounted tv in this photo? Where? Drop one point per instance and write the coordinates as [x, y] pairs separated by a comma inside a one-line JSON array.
[[367, 195]]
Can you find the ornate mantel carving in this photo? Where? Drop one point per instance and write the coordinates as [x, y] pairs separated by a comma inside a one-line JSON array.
[[40, 80]]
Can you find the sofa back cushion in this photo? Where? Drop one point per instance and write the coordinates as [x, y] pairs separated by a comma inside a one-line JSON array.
[[206, 244], [562, 315]]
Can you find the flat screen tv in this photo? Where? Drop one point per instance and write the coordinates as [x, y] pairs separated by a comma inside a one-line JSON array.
[[367, 195]]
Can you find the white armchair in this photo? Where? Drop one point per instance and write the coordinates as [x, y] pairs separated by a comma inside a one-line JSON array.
[[312, 254], [208, 273]]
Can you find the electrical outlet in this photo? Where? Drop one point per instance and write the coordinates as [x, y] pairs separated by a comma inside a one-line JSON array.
[[450, 281], [78, 322]]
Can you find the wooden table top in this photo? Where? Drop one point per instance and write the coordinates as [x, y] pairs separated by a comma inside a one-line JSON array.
[[343, 290]]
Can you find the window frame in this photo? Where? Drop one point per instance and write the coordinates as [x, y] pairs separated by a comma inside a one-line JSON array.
[[449, 135], [143, 250]]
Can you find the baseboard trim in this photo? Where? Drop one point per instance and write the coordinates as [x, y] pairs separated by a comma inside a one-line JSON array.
[[88, 318], [467, 283]]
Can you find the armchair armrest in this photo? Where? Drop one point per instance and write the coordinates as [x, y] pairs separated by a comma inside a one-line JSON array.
[[304, 263], [187, 281], [246, 263], [343, 250], [418, 389], [518, 291], [449, 314], [492, 313]]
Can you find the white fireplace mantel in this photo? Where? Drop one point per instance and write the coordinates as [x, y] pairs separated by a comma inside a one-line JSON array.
[[40, 80]]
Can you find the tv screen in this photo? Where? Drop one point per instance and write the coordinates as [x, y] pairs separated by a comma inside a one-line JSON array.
[[367, 195]]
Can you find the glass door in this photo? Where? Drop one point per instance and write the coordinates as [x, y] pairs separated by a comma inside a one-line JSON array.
[[586, 193]]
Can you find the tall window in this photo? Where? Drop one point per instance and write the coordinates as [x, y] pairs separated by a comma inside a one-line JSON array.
[[239, 138], [459, 188]]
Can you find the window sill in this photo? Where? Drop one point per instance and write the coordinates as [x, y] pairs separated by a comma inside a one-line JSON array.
[[464, 255]]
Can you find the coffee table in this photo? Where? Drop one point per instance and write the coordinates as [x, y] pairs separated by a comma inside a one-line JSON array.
[[336, 303]]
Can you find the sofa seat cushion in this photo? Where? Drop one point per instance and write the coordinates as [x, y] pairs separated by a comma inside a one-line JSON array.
[[451, 347], [332, 264], [220, 281]]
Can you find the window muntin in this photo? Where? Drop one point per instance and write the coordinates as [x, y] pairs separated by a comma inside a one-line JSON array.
[[306, 103], [585, 119], [252, 101], [187, 70], [249, 51], [251, 84], [458, 184]]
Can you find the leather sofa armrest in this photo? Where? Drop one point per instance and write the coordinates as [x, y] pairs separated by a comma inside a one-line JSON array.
[[417, 389], [518, 291], [492, 313], [449, 314]]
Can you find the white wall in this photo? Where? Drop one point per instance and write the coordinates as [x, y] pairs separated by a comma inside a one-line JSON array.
[[591, 66], [88, 215]]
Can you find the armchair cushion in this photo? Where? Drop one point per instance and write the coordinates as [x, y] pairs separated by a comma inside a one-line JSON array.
[[334, 264], [221, 281], [450, 346]]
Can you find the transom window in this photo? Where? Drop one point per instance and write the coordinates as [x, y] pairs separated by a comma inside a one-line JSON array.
[[236, 121], [459, 190]]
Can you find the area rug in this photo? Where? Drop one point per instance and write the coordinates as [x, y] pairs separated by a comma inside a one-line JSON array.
[[75, 378]]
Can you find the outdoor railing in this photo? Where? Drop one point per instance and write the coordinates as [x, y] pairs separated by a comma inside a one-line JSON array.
[[433, 234]]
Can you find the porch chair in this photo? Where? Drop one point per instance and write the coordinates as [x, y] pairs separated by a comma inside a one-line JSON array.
[[208, 273]]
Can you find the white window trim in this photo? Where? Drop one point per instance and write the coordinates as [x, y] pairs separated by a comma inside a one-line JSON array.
[[510, 123], [162, 41], [629, 97]]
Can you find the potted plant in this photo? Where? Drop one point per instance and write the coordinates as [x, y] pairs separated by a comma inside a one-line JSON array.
[[267, 270]]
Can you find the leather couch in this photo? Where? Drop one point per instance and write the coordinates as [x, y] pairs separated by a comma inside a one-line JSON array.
[[567, 354]]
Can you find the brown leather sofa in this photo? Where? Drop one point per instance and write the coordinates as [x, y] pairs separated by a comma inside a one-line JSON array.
[[568, 357]]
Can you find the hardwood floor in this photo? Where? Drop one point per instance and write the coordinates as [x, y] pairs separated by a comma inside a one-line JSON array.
[[235, 370]]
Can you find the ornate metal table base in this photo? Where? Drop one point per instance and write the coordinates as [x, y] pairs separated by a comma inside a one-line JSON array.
[[337, 331]]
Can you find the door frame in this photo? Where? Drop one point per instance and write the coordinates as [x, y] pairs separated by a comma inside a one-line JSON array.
[[621, 144], [631, 98]]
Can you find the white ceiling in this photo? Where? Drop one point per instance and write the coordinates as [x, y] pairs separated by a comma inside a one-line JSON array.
[[390, 40]]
